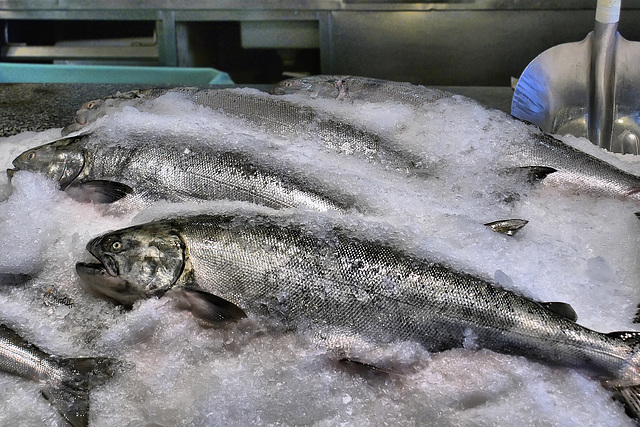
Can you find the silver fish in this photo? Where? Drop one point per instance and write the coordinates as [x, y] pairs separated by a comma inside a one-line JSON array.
[[547, 159], [66, 383], [347, 293], [147, 169], [279, 117], [359, 88], [541, 156]]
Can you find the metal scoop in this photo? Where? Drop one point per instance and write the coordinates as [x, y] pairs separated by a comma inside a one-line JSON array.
[[590, 88]]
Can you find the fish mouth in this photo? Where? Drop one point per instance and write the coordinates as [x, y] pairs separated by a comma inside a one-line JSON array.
[[106, 262], [109, 265], [97, 277], [11, 172], [99, 280]]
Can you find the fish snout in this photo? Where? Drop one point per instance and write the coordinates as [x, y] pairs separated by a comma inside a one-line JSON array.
[[107, 262], [96, 277], [11, 172]]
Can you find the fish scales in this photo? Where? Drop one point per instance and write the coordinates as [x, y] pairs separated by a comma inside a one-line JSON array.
[[275, 116], [66, 383], [382, 296], [348, 292], [286, 119], [164, 168], [20, 358], [572, 167]]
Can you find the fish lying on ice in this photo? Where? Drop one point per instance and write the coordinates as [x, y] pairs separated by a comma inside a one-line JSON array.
[[66, 383], [359, 88], [541, 156], [149, 168], [547, 159], [347, 293], [273, 115]]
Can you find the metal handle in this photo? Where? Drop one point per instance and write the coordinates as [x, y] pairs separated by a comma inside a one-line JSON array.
[[602, 74]]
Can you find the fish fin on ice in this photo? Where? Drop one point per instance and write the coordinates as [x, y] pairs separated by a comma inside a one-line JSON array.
[[206, 306], [71, 395], [561, 308], [538, 173], [507, 226], [630, 397], [364, 369], [98, 191]]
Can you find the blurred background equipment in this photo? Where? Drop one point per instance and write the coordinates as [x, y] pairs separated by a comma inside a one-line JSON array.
[[442, 43]]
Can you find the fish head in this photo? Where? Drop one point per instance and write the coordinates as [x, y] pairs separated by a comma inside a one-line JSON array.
[[134, 263], [61, 160], [88, 112]]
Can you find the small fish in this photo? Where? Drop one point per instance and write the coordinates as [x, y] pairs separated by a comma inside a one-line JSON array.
[[349, 294], [66, 383], [360, 88]]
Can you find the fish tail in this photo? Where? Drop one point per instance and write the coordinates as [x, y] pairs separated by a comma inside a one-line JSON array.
[[70, 395], [630, 397]]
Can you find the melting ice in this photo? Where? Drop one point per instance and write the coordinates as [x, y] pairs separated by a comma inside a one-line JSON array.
[[576, 249]]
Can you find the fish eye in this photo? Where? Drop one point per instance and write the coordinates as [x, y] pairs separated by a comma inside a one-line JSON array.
[[31, 155], [91, 105], [116, 246]]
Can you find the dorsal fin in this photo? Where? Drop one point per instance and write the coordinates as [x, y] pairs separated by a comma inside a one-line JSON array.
[[627, 336], [562, 309], [98, 191]]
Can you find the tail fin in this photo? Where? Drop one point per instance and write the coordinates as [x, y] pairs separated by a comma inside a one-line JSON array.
[[70, 395], [630, 397]]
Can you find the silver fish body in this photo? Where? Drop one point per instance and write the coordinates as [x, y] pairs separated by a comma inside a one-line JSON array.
[[555, 163], [275, 116], [359, 88], [347, 293], [65, 382], [148, 169]]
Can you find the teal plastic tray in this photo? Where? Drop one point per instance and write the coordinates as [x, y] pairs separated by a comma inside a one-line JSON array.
[[44, 73]]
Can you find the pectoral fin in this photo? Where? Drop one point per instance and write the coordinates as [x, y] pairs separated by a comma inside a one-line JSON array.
[[561, 308], [98, 191], [507, 226], [364, 369], [538, 173], [205, 306]]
